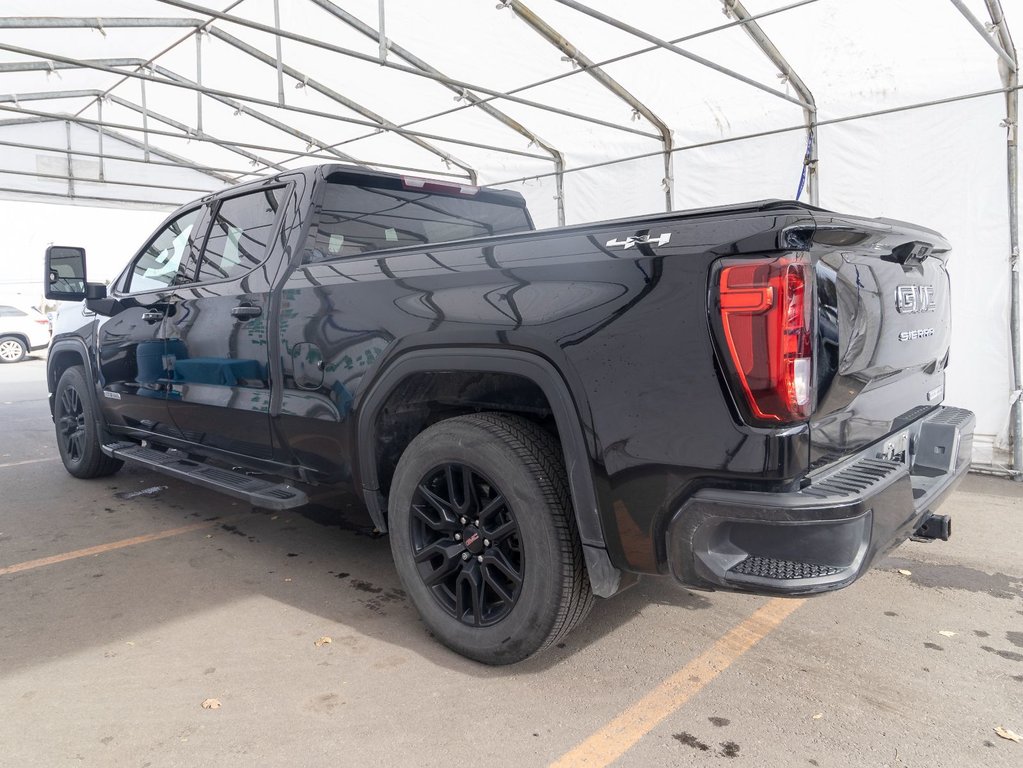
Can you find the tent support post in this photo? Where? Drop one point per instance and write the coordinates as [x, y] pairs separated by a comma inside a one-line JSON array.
[[763, 42], [70, 169], [145, 121], [198, 80], [99, 137], [1010, 79], [280, 61], [556, 39]]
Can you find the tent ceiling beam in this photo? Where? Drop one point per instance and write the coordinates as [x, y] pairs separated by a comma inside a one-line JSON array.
[[96, 22], [30, 193], [264, 118], [772, 132], [461, 84], [70, 178], [763, 42], [982, 30], [344, 101], [618, 24], [605, 62], [94, 93], [101, 65], [556, 156], [174, 161], [555, 38], [204, 138]]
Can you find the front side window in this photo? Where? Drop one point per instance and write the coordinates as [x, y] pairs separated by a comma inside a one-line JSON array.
[[159, 264], [239, 238]]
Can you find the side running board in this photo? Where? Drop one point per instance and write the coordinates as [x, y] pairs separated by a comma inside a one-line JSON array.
[[255, 490]]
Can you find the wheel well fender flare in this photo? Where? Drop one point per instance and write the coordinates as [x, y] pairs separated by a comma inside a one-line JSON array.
[[485, 360], [77, 348]]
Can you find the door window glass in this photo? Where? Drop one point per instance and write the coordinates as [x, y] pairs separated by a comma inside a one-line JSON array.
[[239, 238], [159, 264], [11, 312]]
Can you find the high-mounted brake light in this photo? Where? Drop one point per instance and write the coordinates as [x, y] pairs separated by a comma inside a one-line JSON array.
[[766, 320], [444, 187]]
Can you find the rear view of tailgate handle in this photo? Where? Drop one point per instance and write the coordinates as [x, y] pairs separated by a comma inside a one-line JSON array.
[[152, 316], [246, 312]]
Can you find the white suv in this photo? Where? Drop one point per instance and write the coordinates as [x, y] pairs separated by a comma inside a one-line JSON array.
[[23, 329]]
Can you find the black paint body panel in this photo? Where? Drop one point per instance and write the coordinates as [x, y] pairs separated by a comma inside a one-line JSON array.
[[626, 332]]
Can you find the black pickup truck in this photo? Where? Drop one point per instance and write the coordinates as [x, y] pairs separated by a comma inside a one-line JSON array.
[[745, 397]]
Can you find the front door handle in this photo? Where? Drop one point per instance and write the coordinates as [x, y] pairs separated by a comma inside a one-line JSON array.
[[152, 316], [246, 312]]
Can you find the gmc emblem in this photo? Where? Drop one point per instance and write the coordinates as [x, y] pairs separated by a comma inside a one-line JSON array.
[[911, 299]]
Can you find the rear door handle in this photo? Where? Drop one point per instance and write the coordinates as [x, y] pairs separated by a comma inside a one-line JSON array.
[[152, 316], [246, 312]]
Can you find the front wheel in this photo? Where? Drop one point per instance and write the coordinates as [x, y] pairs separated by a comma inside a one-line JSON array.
[[12, 350], [78, 437], [484, 538]]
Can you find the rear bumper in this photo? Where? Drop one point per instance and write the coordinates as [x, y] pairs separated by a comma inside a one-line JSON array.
[[826, 535]]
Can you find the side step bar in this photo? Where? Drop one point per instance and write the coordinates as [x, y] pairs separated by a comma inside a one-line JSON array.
[[255, 490]]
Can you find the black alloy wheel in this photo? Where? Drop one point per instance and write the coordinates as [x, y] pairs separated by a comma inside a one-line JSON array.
[[484, 537], [71, 424], [78, 429], [466, 545]]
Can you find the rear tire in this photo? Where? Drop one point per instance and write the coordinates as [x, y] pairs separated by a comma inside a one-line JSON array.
[[12, 349], [75, 419], [512, 584]]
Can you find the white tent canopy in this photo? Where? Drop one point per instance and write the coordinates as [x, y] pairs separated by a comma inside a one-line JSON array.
[[592, 111]]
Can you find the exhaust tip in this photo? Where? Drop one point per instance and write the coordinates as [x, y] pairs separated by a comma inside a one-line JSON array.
[[934, 527]]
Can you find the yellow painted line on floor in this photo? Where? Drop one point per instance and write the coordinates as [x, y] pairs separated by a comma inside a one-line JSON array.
[[28, 461], [101, 548], [614, 739]]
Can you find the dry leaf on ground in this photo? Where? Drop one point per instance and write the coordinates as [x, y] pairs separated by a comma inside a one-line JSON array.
[[818, 716], [323, 641], [904, 572], [211, 704], [946, 633], [1005, 733]]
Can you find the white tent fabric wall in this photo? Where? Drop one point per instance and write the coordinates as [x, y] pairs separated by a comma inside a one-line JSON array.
[[939, 166]]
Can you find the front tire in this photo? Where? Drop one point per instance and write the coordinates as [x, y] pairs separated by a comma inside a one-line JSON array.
[[12, 349], [484, 538], [78, 437]]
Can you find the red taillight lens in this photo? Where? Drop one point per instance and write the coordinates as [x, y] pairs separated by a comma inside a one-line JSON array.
[[766, 320]]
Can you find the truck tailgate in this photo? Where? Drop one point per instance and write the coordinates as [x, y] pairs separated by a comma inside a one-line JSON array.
[[883, 331]]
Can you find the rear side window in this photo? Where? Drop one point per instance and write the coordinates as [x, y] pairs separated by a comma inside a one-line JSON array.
[[240, 233], [360, 219], [157, 266], [11, 312]]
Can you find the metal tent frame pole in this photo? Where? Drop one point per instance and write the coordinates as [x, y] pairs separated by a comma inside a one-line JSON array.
[[643, 35], [101, 65], [386, 44], [411, 70], [560, 42], [191, 136], [764, 43], [1010, 78]]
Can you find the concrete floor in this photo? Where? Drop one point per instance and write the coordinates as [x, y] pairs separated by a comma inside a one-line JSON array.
[[105, 658]]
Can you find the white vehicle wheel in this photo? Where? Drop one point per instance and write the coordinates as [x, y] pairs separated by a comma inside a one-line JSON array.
[[12, 350]]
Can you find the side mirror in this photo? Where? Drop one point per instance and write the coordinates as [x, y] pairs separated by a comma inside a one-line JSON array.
[[65, 273]]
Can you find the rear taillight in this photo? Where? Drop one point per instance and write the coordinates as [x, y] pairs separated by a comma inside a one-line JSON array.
[[766, 322]]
